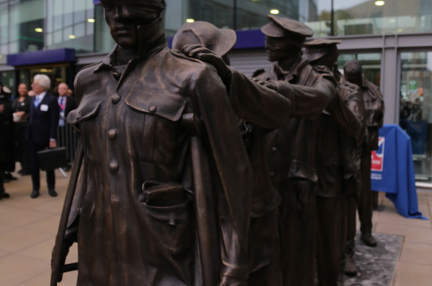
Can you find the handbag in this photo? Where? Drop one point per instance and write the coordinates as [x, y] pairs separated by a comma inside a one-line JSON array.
[[51, 159]]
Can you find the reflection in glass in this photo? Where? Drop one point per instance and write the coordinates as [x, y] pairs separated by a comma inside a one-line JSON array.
[[8, 79], [218, 12], [67, 25], [253, 14], [415, 115], [104, 42], [27, 18], [360, 17]]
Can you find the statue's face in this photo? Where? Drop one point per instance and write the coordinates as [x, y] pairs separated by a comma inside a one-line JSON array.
[[275, 49], [123, 20], [355, 78]]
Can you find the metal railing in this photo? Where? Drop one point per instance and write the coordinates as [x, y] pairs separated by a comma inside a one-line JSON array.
[[68, 137]]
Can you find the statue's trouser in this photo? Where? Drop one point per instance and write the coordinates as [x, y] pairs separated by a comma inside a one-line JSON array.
[[298, 233], [268, 275], [264, 250], [351, 226], [364, 205], [331, 233]]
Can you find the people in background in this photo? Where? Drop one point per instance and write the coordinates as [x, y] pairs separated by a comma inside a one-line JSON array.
[[66, 103], [42, 130], [21, 111], [65, 136], [6, 140]]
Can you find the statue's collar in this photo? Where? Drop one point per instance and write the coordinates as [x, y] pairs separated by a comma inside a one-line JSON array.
[[151, 39], [292, 72]]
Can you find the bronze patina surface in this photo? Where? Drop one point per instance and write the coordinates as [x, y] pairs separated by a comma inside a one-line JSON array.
[[163, 196]]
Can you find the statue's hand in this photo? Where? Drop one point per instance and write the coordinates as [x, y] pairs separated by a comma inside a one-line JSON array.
[[268, 83], [208, 56]]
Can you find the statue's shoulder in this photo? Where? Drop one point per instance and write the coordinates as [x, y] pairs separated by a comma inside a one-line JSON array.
[[86, 73], [186, 62], [191, 68]]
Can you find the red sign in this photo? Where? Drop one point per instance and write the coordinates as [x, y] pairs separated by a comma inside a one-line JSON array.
[[378, 156]]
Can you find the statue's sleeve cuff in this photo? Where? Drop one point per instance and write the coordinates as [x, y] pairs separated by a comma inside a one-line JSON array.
[[285, 89], [234, 275]]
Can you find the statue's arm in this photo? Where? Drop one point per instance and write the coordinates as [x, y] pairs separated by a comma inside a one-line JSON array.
[[233, 171], [259, 105], [308, 102], [349, 114]]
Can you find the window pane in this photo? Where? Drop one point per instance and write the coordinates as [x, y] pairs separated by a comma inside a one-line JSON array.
[[104, 42], [416, 109], [27, 21], [315, 13], [70, 20], [218, 12], [354, 17]]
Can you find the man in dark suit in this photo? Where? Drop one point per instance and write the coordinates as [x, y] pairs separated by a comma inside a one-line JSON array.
[[42, 130], [67, 104]]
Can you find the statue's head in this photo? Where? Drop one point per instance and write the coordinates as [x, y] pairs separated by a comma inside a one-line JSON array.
[[353, 72], [284, 38], [220, 41], [125, 16], [322, 52]]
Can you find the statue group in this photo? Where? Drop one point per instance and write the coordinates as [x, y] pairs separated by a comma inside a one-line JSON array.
[[190, 173]]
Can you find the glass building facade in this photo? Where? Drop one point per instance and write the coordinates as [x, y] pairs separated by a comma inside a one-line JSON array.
[[31, 25], [35, 25], [416, 109]]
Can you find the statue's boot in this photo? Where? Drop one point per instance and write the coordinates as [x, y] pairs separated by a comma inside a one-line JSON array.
[[340, 281], [368, 239], [350, 267]]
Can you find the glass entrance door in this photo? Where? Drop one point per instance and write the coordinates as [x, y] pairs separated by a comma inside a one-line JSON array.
[[57, 74], [415, 115]]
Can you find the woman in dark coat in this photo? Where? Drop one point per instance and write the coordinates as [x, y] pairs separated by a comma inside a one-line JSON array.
[[21, 110], [6, 139]]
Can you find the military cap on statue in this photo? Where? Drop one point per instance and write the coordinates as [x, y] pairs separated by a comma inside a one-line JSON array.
[[318, 48], [286, 28], [221, 41], [150, 5]]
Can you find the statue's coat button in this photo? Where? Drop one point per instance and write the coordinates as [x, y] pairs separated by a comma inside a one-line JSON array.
[[152, 109], [116, 75], [115, 98], [114, 166], [112, 134]]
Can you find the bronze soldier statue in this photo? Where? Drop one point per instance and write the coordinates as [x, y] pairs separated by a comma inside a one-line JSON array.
[[293, 147], [340, 124], [374, 118], [163, 196], [260, 111]]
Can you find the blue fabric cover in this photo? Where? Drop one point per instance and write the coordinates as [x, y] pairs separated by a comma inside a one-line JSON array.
[[397, 178]]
